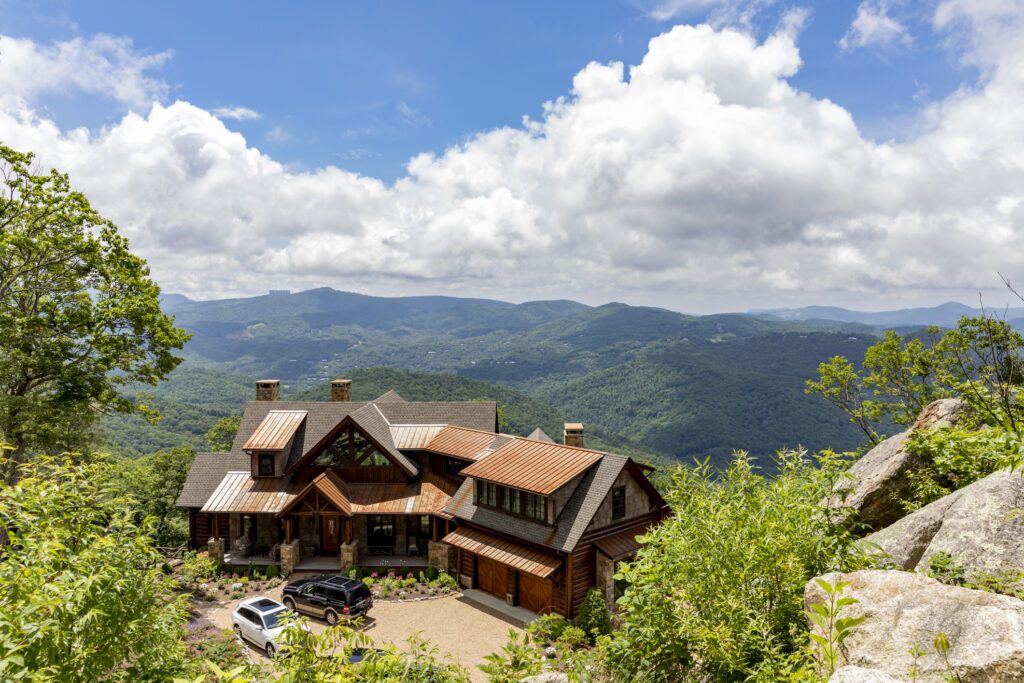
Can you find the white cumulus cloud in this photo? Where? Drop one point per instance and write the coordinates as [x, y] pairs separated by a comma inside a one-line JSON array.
[[698, 178], [237, 113], [873, 26]]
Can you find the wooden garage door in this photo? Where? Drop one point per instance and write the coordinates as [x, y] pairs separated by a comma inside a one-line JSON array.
[[535, 593], [492, 576]]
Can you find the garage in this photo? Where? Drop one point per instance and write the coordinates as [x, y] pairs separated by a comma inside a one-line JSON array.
[[491, 576], [535, 594]]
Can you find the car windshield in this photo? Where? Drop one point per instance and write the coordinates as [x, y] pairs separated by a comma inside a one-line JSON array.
[[275, 619]]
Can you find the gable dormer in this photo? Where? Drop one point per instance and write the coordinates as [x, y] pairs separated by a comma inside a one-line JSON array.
[[530, 478], [269, 445]]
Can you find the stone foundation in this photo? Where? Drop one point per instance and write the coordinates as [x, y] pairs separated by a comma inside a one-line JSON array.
[[606, 577], [349, 555], [441, 556], [215, 546]]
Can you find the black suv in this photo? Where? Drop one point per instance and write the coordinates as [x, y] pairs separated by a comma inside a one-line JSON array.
[[330, 597]]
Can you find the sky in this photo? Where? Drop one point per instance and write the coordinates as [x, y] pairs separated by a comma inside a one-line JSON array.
[[702, 155]]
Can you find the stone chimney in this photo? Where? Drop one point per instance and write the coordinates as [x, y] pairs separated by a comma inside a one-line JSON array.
[[341, 390], [268, 389], [573, 434]]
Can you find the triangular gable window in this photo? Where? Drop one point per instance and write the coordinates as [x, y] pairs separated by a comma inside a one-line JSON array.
[[351, 448]]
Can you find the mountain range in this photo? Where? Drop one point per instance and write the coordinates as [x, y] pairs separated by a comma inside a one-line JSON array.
[[648, 381]]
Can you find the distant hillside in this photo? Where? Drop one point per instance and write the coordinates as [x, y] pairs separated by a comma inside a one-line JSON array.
[[643, 379], [944, 315]]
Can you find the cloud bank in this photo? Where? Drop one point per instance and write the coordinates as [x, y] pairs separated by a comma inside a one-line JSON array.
[[698, 178]]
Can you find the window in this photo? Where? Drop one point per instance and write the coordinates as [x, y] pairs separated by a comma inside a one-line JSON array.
[[266, 464], [351, 448], [536, 507], [510, 500], [453, 467], [425, 525], [486, 494], [618, 502]]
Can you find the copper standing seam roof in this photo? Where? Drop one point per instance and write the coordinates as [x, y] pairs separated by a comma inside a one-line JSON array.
[[414, 437], [465, 443], [430, 495], [275, 431], [239, 492], [621, 545], [533, 466], [331, 486], [506, 552]]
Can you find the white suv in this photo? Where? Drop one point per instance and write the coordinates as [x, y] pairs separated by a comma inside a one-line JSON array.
[[261, 621]]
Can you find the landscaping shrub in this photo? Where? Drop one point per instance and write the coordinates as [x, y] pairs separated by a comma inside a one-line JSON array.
[[547, 628], [272, 571], [716, 592], [197, 567], [572, 638], [594, 619]]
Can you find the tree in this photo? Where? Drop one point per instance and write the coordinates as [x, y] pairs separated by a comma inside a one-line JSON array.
[[79, 314], [83, 598], [979, 361], [221, 436], [154, 482]]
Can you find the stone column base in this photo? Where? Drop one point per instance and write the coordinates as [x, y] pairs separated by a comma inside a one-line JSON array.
[[289, 557], [441, 556], [349, 555], [215, 547]]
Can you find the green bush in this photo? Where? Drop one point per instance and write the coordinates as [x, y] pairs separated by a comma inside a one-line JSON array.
[[197, 567], [547, 628], [272, 571], [517, 660], [432, 574], [445, 582], [716, 592], [573, 638], [594, 619]]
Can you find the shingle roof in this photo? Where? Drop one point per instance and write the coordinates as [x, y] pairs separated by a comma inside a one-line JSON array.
[[539, 434], [208, 469], [377, 428], [322, 417], [534, 466], [390, 396], [572, 522]]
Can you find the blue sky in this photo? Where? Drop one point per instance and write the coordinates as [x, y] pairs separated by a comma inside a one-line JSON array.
[[368, 85], [701, 155]]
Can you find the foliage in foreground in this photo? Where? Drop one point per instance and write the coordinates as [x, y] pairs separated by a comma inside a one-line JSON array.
[[716, 592], [82, 597], [79, 312], [979, 361]]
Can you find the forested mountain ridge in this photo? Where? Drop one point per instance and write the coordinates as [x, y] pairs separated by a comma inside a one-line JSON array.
[[648, 381]]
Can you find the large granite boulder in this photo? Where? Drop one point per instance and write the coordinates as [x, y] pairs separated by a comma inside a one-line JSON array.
[[980, 526], [858, 674], [906, 610], [879, 478]]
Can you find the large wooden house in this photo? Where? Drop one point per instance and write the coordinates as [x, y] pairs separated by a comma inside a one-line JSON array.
[[400, 483]]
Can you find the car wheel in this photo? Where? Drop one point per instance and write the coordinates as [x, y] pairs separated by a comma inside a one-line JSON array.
[[289, 603], [271, 650], [331, 616]]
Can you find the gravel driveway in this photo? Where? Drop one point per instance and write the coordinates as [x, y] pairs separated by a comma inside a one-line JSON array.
[[455, 625]]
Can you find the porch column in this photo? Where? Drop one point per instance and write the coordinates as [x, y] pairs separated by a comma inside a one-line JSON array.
[[348, 530]]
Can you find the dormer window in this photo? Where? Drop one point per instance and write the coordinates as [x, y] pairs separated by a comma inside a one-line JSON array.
[[512, 501], [535, 507], [487, 494], [265, 465]]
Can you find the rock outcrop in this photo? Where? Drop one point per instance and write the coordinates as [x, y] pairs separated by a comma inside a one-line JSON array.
[[858, 674], [904, 610], [880, 477], [980, 526]]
